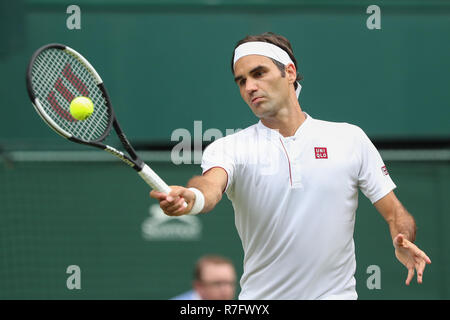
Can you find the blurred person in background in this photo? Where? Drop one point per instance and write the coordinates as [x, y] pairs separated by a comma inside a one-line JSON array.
[[214, 279]]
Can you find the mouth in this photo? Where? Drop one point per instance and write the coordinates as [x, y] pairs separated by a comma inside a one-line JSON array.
[[256, 100]]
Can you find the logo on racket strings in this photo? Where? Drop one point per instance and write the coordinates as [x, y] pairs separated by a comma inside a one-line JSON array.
[[61, 88]]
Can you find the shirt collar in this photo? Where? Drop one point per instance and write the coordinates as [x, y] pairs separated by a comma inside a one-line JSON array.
[[274, 133]]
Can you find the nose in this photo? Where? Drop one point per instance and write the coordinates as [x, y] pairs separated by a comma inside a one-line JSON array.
[[250, 86]]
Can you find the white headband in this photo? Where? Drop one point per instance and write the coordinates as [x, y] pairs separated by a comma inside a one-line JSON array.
[[264, 49]]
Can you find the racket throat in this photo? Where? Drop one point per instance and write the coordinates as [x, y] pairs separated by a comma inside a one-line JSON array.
[[125, 141], [122, 157]]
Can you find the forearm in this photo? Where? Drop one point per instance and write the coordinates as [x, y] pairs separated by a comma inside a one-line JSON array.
[[402, 222], [210, 189], [397, 217]]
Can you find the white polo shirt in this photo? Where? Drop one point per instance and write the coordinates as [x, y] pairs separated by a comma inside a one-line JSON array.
[[295, 200]]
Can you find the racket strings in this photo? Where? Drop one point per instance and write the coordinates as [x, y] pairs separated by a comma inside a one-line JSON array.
[[57, 78]]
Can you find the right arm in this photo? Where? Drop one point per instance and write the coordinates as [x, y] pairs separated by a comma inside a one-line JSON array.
[[212, 184]]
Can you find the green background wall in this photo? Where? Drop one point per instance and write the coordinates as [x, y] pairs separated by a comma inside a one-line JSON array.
[[166, 64]]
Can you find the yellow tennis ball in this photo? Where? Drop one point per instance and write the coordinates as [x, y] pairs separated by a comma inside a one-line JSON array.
[[81, 108]]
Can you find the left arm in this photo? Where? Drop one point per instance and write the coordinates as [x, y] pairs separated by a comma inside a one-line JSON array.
[[403, 231], [398, 219]]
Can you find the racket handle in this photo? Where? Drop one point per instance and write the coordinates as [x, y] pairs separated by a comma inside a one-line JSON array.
[[154, 181]]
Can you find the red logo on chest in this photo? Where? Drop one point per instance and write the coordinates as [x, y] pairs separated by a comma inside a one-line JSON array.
[[321, 153]]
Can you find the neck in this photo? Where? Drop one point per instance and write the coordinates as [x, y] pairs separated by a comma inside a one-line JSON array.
[[287, 120]]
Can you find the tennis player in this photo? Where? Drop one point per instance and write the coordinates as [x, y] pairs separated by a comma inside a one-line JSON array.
[[293, 181]]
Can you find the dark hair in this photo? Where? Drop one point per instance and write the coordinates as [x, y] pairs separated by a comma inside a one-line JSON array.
[[277, 40], [213, 259]]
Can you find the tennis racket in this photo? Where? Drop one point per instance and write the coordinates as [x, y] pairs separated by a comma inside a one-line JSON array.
[[55, 76]]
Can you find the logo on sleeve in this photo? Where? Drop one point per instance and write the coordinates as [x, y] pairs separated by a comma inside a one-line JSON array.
[[321, 153], [384, 170]]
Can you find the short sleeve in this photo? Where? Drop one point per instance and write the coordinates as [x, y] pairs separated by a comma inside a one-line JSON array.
[[373, 178], [219, 154]]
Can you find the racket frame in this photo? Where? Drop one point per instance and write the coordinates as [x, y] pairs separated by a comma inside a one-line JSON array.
[[132, 159]]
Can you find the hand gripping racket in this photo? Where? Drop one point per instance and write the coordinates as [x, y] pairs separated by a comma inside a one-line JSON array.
[[55, 76]]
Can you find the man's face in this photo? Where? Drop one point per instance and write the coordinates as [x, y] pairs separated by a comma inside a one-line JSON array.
[[218, 282], [261, 85]]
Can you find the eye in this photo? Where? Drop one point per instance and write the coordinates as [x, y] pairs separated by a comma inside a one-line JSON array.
[[241, 82], [258, 74]]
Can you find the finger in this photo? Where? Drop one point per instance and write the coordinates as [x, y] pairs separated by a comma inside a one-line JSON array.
[[419, 269], [398, 240], [410, 276], [185, 193], [164, 205], [173, 196], [175, 193], [175, 204], [426, 258], [419, 254], [181, 209], [422, 255], [158, 195], [170, 212], [173, 199], [170, 199]]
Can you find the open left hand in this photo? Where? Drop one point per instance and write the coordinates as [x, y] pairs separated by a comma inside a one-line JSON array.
[[411, 257]]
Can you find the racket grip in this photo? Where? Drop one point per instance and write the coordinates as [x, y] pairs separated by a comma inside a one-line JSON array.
[[154, 181]]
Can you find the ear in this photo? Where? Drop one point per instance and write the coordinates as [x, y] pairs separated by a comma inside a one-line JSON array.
[[291, 72]]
